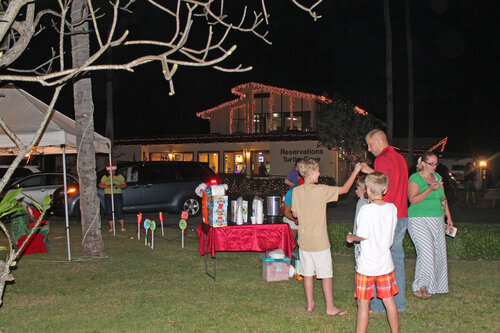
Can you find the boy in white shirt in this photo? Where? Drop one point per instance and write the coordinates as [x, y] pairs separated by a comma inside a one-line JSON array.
[[376, 224]]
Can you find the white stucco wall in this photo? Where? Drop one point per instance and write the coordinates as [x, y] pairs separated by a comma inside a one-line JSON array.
[[284, 154]]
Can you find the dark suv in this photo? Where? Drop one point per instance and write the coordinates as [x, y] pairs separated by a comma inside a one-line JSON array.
[[151, 187]]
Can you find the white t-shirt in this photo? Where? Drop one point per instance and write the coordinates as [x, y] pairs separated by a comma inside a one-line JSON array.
[[377, 224]]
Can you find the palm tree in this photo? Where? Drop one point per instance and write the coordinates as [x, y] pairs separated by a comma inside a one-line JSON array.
[[411, 96], [388, 71]]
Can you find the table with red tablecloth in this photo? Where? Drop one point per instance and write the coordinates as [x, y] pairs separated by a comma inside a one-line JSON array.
[[248, 237]]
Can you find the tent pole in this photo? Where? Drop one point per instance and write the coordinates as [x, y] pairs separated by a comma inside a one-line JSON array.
[[66, 199], [112, 196]]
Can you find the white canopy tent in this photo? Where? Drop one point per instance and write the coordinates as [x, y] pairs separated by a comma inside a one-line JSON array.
[[23, 114]]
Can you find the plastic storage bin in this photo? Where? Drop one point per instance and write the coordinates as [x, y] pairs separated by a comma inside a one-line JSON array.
[[275, 269]]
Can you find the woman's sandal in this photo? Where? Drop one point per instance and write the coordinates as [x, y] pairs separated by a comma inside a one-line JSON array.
[[424, 292], [418, 294]]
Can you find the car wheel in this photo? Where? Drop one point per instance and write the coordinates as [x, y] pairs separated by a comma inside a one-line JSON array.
[[192, 205]]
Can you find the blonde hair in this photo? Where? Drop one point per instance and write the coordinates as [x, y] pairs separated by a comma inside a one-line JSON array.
[[377, 182], [424, 158], [307, 165]]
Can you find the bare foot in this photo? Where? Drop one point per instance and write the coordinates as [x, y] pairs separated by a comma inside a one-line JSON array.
[[336, 312], [310, 308]]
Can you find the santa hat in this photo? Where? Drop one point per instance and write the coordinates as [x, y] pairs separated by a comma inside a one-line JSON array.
[[111, 166]]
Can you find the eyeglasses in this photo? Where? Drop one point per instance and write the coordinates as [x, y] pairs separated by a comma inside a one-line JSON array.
[[432, 164]]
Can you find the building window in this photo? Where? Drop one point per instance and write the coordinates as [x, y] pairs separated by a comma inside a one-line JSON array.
[[158, 156], [261, 112], [260, 122], [238, 120], [234, 162], [182, 157], [166, 156], [301, 121], [277, 122], [258, 160], [212, 158]]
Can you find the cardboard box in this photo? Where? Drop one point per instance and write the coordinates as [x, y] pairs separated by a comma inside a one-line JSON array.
[[217, 217], [217, 202], [217, 222], [275, 269]]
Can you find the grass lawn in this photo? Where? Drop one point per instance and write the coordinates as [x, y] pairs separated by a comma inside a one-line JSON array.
[[139, 289]]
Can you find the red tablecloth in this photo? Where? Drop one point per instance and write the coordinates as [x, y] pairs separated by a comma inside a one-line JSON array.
[[252, 237]]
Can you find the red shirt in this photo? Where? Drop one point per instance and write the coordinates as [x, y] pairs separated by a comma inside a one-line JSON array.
[[394, 166]]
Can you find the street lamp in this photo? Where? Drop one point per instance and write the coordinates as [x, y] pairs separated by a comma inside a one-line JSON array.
[[482, 167]]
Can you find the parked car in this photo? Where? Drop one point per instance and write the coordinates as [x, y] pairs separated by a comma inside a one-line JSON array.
[[449, 182], [19, 172], [151, 187], [39, 185]]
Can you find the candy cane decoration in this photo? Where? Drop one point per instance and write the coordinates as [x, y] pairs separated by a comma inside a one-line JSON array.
[[139, 219], [152, 227], [147, 224], [161, 220], [183, 225]]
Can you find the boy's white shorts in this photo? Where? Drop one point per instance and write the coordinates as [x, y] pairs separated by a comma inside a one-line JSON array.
[[316, 262]]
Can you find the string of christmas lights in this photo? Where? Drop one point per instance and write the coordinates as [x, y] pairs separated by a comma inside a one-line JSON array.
[[240, 92]]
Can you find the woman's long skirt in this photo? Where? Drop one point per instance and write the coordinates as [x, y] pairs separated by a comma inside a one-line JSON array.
[[431, 270]]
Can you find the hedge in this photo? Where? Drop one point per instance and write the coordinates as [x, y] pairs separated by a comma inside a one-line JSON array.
[[473, 241], [241, 185]]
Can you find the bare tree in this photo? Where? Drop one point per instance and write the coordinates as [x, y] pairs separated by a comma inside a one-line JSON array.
[[22, 20]]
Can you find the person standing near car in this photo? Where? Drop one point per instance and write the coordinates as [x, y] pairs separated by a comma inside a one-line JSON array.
[[117, 186], [469, 179], [394, 166]]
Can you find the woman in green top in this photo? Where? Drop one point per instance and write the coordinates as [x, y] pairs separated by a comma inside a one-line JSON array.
[[118, 184], [426, 227]]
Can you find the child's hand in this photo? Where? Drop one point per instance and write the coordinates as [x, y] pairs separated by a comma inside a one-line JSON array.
[[365, 168], [349, 238]]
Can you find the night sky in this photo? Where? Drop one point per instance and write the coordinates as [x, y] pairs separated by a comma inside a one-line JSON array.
[[455, 65]]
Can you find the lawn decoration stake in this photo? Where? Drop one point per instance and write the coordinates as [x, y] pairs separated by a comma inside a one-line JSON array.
[[139, 219], [161, 221], [152, 227], [147, 224], [183, 225]]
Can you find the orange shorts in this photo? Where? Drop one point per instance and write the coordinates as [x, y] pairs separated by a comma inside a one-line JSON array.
[[386, 286]]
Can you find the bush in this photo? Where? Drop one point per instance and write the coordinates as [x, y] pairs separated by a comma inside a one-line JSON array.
[[473, 241], [241, 185]]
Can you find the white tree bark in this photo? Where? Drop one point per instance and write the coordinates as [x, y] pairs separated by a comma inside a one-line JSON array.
[[93, 245]]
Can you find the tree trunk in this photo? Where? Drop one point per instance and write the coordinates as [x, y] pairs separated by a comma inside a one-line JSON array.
[[411, 96], [388, 71], [92, 242], [109, 100]]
